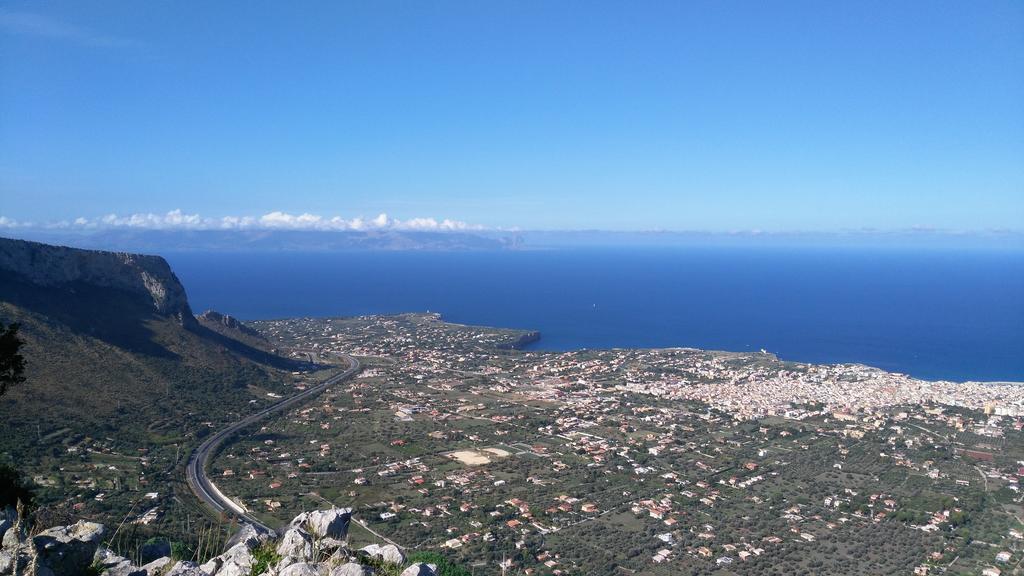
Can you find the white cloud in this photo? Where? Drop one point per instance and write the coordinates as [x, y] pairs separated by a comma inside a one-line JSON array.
[[432, 224], [277, 220]]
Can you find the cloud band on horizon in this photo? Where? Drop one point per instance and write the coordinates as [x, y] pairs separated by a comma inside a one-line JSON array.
[[276, 220]]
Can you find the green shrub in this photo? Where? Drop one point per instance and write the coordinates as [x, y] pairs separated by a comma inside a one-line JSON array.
[[380, 567], [263, 557], [180, 551], [444, 566]]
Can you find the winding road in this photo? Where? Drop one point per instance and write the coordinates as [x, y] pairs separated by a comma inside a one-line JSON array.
[[195, 471]]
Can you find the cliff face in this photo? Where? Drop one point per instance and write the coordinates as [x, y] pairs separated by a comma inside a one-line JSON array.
[[57, 266]]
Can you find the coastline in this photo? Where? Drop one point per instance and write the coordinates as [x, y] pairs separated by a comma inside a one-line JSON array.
[[523, 341], [527, 341], [911, 314]]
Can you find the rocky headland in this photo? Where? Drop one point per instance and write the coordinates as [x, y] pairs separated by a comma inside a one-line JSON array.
[[61, 267]]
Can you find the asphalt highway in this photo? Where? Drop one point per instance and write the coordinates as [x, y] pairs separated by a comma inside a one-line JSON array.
[[195, 471]]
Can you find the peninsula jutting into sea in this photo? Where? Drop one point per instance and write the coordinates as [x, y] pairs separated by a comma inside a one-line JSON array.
[[450, 446]]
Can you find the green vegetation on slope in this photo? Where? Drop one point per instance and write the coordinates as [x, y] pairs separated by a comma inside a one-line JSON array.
[[115, 398]]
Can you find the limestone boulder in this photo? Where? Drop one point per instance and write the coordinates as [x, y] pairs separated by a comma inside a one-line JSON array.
[[9, 562], [13, 537], [388, 553], [183, 568], [300, 569], [350, 569], [296, 544], [157, 567], [331, 523], [8, 516], [67, 550], [236, 561], [111, 564], [249, 535], [420, 570]]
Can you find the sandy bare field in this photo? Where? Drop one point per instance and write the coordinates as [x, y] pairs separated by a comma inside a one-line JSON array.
[[469, 457]]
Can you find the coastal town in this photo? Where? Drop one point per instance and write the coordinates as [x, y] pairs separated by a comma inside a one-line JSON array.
[[653, 461]]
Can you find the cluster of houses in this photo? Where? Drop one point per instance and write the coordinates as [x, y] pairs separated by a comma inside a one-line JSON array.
[[649, 415]]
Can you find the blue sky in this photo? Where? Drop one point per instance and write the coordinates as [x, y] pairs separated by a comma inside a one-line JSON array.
[[714, 115]]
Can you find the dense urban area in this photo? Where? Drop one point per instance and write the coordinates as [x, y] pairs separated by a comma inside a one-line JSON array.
[[649, 461]]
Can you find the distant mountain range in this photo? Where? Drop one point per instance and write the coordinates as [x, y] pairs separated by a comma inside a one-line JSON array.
[[184, 240], [163, 241]]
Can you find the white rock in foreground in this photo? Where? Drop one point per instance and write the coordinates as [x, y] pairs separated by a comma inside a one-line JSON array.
[[331, 523], [296, 544], [300, 569], [420, 570], [66, 549], [74, 550], [388, 553], [351, 569]]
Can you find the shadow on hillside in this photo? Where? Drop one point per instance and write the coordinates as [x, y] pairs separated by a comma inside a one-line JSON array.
[[113, 316], [120, 318], [246, 351]]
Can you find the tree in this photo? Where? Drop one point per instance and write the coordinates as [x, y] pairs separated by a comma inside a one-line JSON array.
[[14, 488], [12, 365]]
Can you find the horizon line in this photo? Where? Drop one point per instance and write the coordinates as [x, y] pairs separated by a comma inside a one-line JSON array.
[[279, 221]]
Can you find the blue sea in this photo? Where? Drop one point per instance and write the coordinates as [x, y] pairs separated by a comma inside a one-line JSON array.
[[956, 315]]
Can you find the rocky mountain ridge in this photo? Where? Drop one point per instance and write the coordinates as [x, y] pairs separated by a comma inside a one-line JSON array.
[[229, 322], [59, 266], [231, 327]]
